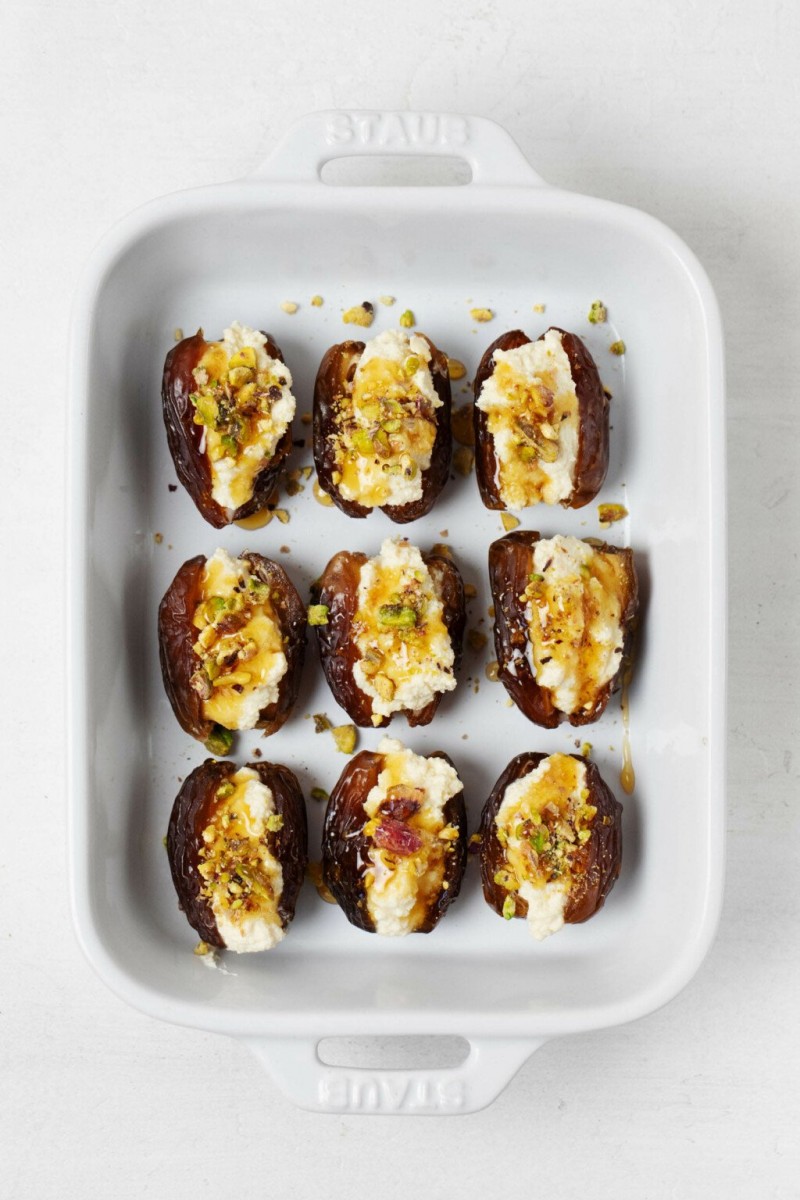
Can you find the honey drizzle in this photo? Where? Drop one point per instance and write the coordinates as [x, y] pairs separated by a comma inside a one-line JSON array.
[[627, 775], [256, 521]]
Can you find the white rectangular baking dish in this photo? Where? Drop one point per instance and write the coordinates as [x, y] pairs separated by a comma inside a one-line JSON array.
[[505, 240]]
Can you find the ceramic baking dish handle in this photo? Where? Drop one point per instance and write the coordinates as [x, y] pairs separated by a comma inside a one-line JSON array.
[[295, 1066], [491, 152]]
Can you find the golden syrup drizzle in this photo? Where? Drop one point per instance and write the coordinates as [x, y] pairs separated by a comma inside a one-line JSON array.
[[256, 521], [627, 775]]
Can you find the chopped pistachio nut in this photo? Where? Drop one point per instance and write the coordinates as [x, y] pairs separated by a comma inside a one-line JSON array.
[[316, 301], [609, 513], [177, 334], [509, 522], [345, 738], [407, 319], [509, 907], [400, 616], [164, 841], [318, 793], [225, 790], [322, 723], [202, 949], [476, 640], [586, 749], [481, 314], [617, 348], [289, 306], [597, 313], [464, 461], [539, 308], [220, 740], [456, 368], [282, 516], [318, 614], [359, 314], [475, 839], [274, 822]]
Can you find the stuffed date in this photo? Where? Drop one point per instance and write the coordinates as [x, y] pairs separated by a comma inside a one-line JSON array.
[[395, 840], [228, 409], [231, 634], [382, 425], [565, 613], [541, 422], [550, 842], [390, 631], [237, 846]]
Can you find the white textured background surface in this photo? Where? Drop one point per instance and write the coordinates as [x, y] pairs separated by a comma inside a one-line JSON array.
[[686, 110]]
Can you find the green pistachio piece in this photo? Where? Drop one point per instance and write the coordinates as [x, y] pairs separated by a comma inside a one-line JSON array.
[[400, 616], [318, 614], [362, 443], [219, 741]]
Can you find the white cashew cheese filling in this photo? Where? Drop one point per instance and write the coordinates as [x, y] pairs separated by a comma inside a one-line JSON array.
[[403, 666], [574, 616], [242, 377], [392, 437], [242, 688], [252, 810], [537, 836], [401, 888], [533, 418]]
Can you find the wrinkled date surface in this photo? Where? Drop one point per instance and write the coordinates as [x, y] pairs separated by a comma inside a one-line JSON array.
[[345, 847], [593, 433], [177, 635], [194, 808], [185, 437], [331, 390], [595, 866], [510, 566], [337, 588]]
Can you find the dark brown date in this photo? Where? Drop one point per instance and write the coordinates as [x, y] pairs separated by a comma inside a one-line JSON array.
[[185, 437], [594, 866], [593, 436], [337, 588], [177, 635], [510, 566], [345, 846], [331, 390], [193, 810]]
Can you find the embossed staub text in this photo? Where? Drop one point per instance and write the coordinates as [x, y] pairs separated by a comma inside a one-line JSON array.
[[382, 1093], [397, 130]]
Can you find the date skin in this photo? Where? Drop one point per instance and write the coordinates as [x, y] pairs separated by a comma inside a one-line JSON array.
[[510, 566], [194, 807], [184, 437], [595, 866], [593, 403], [345, 848], [334, 378], [177, 635], [337, 588]]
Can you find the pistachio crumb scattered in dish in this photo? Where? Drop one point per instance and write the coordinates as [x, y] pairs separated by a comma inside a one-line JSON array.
[[359, 314]]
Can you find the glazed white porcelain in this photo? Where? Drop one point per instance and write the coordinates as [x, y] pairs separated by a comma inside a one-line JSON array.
[[505, 241]]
